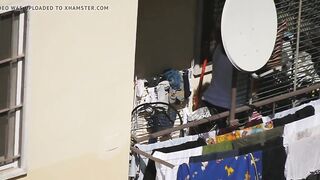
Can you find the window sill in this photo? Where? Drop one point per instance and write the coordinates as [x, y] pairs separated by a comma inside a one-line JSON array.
[[12, 173]]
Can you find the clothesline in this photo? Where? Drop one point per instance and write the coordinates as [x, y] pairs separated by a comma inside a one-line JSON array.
[[227, 113], [165, 163]]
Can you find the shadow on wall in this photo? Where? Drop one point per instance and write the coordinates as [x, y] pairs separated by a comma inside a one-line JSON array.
[[165, 35]]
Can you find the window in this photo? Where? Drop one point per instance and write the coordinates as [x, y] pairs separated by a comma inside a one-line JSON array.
[[12, 63]]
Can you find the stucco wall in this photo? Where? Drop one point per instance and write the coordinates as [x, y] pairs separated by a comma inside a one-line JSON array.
[[79, 91]]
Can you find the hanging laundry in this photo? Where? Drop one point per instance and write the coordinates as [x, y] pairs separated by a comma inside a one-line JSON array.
[[301, 129], [273, 156], [298, 126], [248, 167], [259, 138], [298, 115], [175, 158], [150, 173], [236, 134], [140, 88], [214, 156], [315, 104], [303, 159], [219, 147], [139, 163], [256, 129], [228, 137]]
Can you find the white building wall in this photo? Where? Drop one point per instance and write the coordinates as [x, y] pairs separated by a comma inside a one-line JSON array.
[[79, 89]]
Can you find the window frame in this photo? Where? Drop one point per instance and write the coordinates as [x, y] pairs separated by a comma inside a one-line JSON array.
[[15, 110]]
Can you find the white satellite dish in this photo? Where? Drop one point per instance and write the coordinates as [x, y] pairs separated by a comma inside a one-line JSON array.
[[249, 30]]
